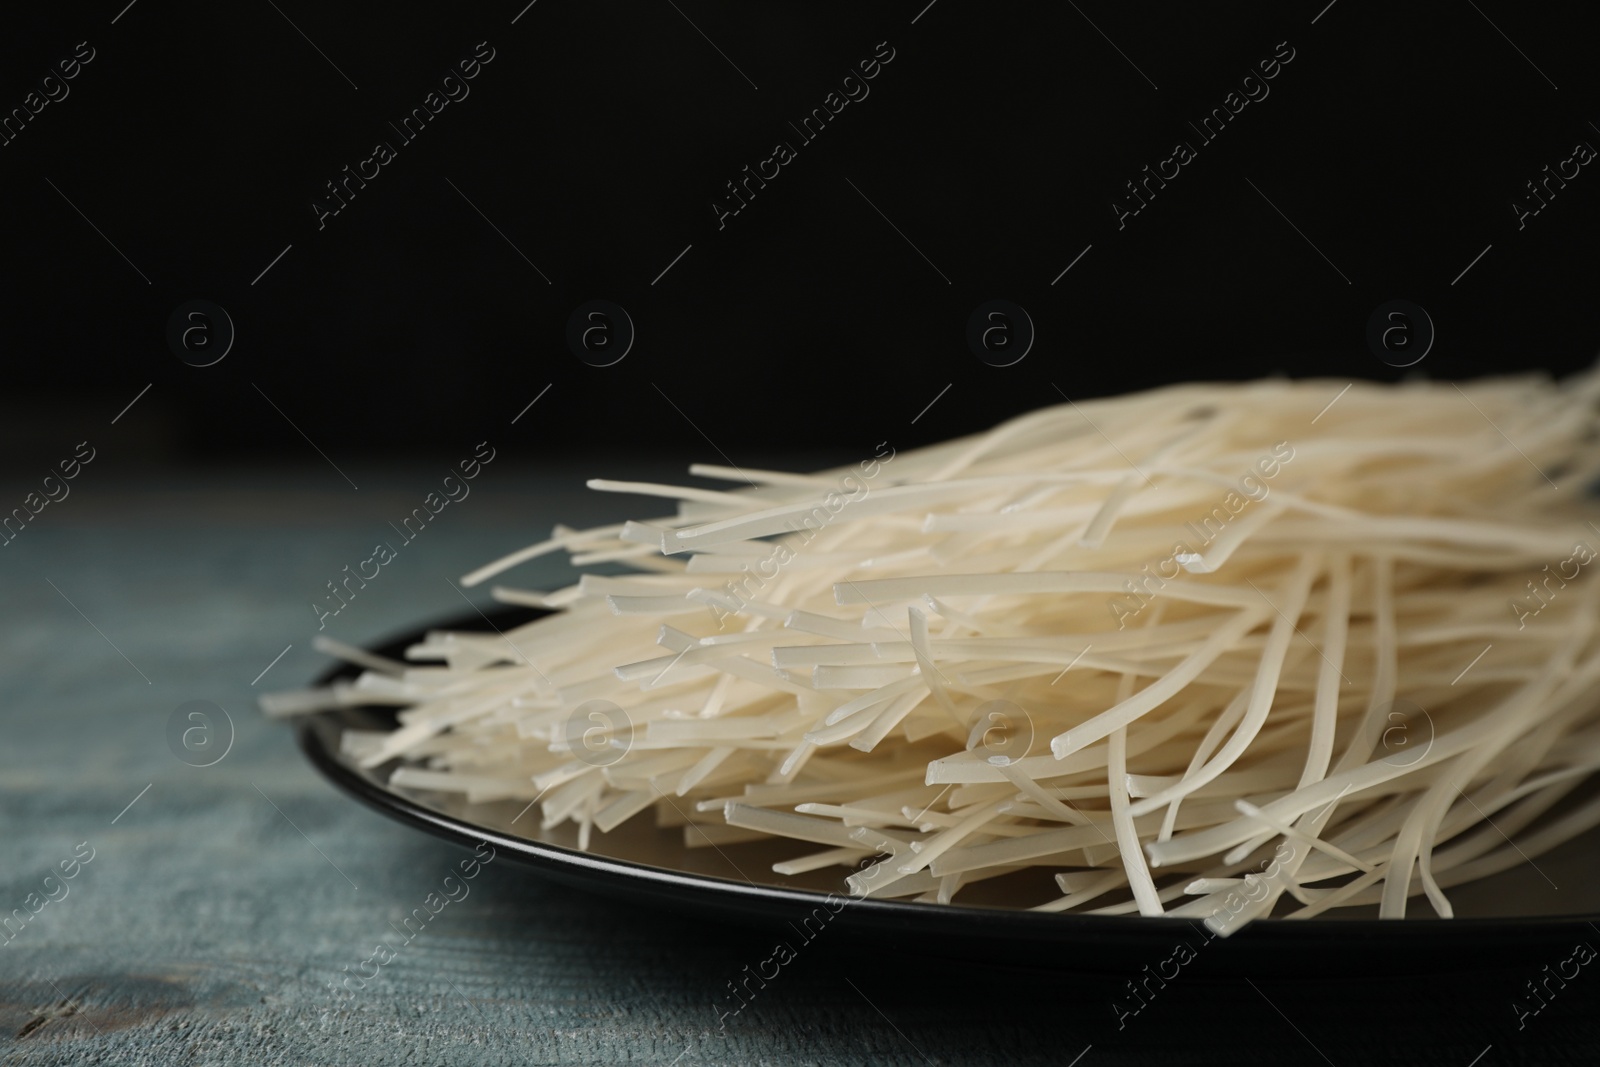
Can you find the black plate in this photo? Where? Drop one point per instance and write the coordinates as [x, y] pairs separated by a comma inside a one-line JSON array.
[[1514, 917]]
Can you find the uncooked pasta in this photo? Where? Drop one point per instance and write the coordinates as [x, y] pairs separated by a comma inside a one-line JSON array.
[[1216, 651]]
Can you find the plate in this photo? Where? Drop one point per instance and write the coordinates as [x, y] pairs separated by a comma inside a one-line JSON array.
[[1532, 913]]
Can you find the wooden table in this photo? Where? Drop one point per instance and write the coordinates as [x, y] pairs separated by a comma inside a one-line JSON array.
[[222, 901]]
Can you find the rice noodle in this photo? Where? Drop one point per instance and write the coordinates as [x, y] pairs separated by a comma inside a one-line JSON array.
[[1358, 637]]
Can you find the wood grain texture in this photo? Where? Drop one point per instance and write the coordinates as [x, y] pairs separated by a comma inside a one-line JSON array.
[[220, 907]]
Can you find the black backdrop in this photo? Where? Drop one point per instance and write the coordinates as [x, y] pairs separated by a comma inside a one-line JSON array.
[[184, 159]]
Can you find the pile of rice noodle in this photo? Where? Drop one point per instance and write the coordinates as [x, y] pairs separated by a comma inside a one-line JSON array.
[[1209, 650]]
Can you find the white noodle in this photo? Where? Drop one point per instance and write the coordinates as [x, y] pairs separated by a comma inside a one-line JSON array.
[[1199, 611]]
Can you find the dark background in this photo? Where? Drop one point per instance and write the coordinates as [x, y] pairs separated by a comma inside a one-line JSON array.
[[995, 141]]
